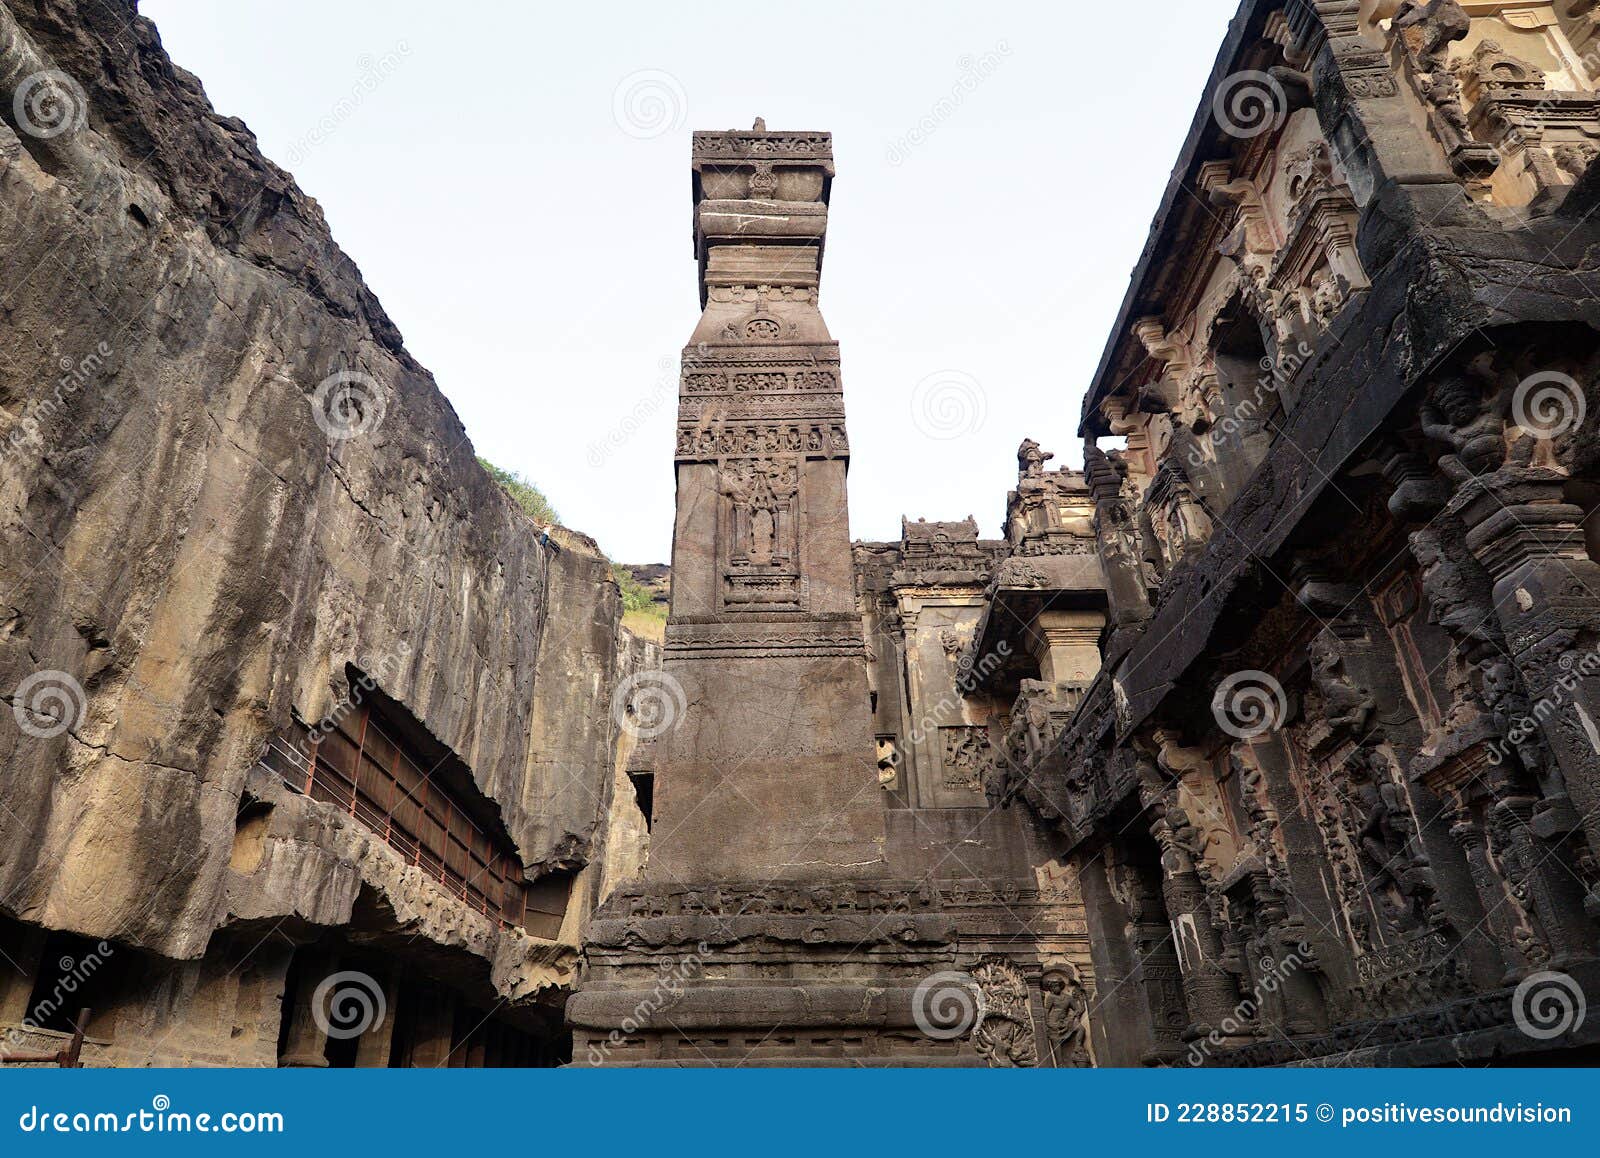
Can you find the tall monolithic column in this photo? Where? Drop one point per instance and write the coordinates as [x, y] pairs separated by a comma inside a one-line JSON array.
[[765, 930], [770, 774]]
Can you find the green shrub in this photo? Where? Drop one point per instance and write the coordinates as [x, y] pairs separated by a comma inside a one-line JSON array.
[[635, 595], [527, 496]]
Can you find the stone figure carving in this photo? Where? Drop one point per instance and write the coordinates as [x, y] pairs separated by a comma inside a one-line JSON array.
[[1003, 1034], [1460, 601], [1030, 459], [1066, 1006], [954, 641], [760, 492], [1459, 414], [1309, 169], [1439, 23], [966, 756], [1575, 159], [888, 763], [1382, 827], [1458, 594], [1347, 707]]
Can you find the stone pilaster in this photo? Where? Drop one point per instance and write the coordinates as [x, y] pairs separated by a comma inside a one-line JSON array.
[[771, 772], [1532, 544]]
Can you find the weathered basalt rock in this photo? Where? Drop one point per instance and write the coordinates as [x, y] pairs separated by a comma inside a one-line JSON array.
[[228, 493]]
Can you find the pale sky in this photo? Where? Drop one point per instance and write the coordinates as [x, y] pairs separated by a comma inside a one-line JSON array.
[[513, 181]]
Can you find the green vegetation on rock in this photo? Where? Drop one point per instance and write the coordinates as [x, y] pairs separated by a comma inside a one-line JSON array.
[[527, 496]]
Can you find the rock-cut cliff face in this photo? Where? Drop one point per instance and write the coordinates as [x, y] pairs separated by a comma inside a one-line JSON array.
[[223, 484]]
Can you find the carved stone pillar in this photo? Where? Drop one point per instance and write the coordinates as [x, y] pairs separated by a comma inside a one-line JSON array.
[[1067, 646], [1311, 914], [307, 1039], [1155, 967], [764, 653], [1507, 929], [1119, 539], [1358, 673], [1532, 544], [1122, 1028], [433, 1031], [372, 1050], [1210, 991]]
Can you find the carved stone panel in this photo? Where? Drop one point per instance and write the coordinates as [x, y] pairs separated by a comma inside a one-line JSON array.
[[760, 537], [965, 755]]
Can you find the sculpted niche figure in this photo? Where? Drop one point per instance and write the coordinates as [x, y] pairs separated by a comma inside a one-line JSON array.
[[1460, 601], [1381, 820], [1003, 1035], [1066, 1005], [1347, 706], [1459, 415], [758, 493]]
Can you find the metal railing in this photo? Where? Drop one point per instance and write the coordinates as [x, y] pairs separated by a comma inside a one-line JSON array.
[[67, 1057], [381, 785]]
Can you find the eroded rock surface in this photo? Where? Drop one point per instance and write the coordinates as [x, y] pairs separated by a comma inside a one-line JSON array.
[[198, 549]]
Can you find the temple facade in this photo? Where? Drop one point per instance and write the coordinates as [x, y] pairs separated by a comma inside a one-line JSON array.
[[825, 872], [1269, 737], [1333, 796]]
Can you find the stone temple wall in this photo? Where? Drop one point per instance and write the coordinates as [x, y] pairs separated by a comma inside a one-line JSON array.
[[231, 506], [1269, 738], [1334, 796]]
